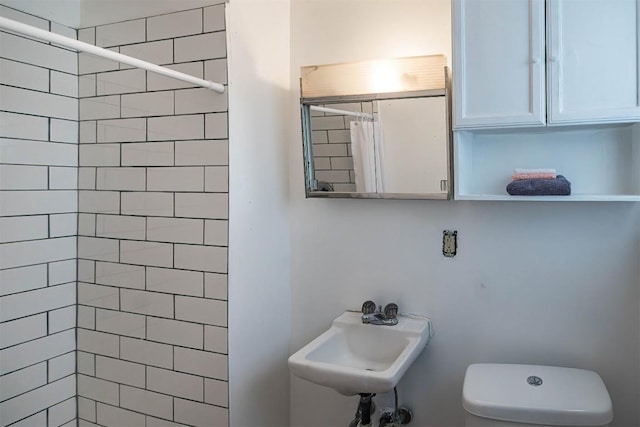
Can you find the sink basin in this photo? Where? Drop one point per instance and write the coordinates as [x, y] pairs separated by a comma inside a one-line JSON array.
[[352, 357]]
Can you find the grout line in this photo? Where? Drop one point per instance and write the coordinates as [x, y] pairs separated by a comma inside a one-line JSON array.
[[47, 93]]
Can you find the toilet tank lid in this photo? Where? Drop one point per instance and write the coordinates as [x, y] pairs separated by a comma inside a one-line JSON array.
[[536, 395]]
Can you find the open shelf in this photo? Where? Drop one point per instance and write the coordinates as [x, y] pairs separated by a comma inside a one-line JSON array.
[[601, 162], [572, 198]]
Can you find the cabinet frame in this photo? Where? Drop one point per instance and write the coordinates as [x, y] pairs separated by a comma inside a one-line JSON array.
[[537, 88], [555, 93]]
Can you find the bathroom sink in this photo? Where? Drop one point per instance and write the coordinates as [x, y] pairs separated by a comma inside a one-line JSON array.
[[352, 357]]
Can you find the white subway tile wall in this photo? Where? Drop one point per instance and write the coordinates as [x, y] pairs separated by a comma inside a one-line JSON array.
[[38, 227], [153, 221]]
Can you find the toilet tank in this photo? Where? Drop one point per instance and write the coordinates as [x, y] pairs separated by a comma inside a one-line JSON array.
[[520, 395]]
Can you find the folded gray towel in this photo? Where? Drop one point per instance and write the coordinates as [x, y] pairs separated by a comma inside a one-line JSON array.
[[540, 187]]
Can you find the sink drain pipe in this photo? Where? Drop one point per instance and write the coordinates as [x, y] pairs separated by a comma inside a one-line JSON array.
[[365, 408]]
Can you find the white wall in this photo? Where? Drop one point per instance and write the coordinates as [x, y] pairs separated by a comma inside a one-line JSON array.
[[259, 284], [536, 283]]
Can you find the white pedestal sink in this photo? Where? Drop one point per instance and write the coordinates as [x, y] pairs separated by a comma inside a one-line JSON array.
[[352, 357]]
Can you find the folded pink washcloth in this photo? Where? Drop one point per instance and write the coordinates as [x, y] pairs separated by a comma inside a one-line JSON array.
[[518, 171], [521, 176]]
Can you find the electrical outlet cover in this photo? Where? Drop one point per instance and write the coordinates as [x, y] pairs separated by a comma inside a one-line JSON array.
[[449, 243]]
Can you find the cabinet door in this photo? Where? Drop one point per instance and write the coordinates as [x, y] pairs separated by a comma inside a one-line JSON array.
[[592, 61], [498, 63]]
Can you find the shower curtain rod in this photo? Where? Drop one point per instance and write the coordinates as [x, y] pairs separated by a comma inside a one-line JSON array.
[[28, 30], [341, 112]]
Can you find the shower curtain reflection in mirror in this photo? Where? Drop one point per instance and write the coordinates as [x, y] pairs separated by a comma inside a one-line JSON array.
[[367, 147]]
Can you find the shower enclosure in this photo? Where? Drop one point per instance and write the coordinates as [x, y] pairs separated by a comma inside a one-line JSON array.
[[113, 224]]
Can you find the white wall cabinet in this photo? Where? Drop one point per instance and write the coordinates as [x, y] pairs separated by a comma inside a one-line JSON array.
[[499, 62], [523, 70], [592, 65]]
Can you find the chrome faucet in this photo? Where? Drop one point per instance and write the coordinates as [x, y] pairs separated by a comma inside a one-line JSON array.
[[376, 316]]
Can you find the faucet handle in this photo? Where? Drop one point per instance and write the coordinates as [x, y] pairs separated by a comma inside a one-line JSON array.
[[391, 310], [368, 307]]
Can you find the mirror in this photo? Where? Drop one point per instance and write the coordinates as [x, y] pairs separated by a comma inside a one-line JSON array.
[[380, 145]]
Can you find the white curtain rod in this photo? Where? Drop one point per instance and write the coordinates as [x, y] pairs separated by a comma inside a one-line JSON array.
[[28, 30], [341, 112]]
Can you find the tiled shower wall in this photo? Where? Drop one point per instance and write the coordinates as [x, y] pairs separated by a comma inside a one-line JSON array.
[[38, 205], [153, 210]]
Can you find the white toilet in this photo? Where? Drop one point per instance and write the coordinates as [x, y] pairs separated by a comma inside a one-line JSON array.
[[499, 395]]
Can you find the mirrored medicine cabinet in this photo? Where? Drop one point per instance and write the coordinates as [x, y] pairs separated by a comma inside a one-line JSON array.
[[377, 129]]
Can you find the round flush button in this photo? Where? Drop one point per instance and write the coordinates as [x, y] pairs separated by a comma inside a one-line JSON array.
[[535, 381]]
